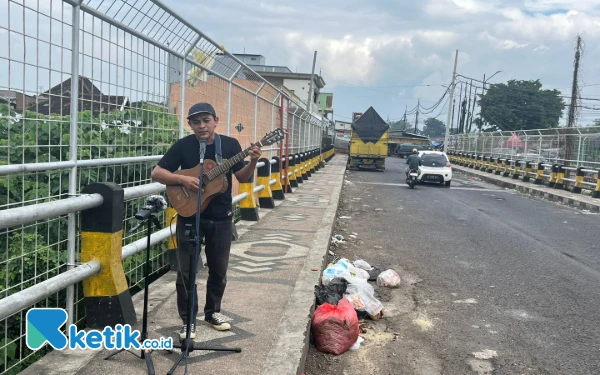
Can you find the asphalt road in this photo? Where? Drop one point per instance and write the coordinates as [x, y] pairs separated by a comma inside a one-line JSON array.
[[508, 284]]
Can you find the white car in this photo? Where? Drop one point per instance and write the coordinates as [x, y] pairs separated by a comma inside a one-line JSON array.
[[435, 167]]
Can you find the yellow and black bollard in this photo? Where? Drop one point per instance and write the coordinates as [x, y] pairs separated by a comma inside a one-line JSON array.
[[578, 187], [106, 294], [248, 207], [277, 188], [263, 177], [170, 219]]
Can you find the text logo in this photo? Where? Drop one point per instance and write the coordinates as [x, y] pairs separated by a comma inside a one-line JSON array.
[[44, 326]]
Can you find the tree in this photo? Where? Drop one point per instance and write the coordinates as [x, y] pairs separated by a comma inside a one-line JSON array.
[[399, 125], [434, 128], [520, 105]]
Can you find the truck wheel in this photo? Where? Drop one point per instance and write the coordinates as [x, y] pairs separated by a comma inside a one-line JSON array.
[[448, 183]]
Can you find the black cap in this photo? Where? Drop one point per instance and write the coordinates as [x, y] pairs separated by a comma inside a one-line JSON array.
[[201, 108]]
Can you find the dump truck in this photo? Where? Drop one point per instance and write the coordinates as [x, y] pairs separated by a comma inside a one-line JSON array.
[[368, 141]]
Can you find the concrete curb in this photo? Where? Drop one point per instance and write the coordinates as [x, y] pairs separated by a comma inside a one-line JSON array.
[[288, 354], [553, 195]]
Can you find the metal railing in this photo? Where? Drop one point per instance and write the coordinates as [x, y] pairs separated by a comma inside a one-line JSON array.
[[97, 92], [541, 173]]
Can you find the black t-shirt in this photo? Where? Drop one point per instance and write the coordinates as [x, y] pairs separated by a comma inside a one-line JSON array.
[[185, 153]]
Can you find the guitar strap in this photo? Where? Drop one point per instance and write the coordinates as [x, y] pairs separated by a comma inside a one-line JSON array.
[[218, 154]]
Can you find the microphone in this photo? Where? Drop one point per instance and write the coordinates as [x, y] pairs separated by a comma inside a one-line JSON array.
[[154, 203], [202, 149]]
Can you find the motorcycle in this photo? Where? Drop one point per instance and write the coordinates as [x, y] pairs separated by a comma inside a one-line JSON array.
[[411, 179]]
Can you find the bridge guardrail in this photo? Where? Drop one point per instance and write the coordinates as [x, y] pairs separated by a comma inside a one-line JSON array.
[[552, 175], [88, 203]]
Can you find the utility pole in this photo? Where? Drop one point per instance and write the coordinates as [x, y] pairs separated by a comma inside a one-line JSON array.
[[575, 84], [451, 100], [310, 90], [417, 115]]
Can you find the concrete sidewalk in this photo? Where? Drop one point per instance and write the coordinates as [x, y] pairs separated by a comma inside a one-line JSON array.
[[555, 195], [274, 267]]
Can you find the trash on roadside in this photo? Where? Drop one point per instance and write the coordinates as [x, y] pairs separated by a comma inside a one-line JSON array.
[[363, 274], [362, 265], [374, 273], [343, 269], [345, 217], [337, 239], [362, 297], [389, 278], [331, 293], [356, 345], [335, 327]]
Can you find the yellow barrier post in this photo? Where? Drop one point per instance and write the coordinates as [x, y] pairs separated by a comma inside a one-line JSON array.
[[560, 175], [305, 163], [539, 176], [527, 173], [263, 177], [596, 192], [170, 219], [517, 171], [507, 165], [276, 175], [107, 298], [248, 207], [553, 175], [578, 187]]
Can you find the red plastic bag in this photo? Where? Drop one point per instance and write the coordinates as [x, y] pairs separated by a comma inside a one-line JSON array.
[[335, 328]]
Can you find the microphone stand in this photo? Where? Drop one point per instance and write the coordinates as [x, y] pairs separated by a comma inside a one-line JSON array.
[[146, 354], [188, 345]]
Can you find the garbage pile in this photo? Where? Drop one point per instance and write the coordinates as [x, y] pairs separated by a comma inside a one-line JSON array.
[[344, 297]]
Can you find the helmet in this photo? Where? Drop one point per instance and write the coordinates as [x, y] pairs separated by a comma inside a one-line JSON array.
[[415, 151]]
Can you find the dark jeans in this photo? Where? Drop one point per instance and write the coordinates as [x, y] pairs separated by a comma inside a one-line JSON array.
[[217, 239]]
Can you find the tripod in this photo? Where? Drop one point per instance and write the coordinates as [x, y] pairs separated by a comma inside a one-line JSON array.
[[146, 354], [188, 345]]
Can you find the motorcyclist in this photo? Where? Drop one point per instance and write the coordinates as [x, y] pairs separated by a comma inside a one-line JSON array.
[[413, 161]]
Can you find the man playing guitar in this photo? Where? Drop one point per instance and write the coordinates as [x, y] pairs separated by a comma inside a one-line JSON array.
[[215, 220]]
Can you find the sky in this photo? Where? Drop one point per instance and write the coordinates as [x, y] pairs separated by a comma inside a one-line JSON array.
[[390, 53]]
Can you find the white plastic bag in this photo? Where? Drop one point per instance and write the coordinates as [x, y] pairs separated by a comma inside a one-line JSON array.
[[363, 274], [362, 296], [362, 265], [333, 271], [389, 278], [356, 345]]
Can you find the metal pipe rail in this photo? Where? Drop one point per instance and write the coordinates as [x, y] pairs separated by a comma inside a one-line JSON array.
[[27, 297], [28, 214]]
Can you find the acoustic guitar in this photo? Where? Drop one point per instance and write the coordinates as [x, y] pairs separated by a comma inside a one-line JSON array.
[[214, 179]]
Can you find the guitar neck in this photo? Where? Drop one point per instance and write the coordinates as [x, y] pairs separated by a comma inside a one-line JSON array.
[[227, 164]]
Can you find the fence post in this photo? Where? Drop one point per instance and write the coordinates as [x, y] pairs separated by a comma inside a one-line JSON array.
[[265, 196], [248, 207], [277, 188], [73, 144], [107, 298]]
